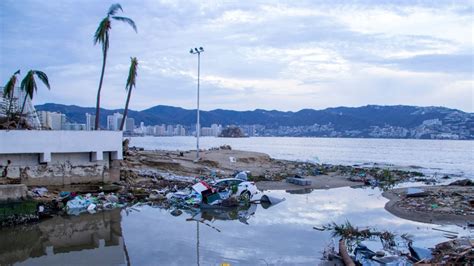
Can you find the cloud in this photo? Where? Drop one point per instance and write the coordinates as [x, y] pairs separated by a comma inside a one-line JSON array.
[[282, 55]]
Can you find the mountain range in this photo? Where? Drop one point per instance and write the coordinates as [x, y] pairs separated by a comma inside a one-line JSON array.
[[361, 121]]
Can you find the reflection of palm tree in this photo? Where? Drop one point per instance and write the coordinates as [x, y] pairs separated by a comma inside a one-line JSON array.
[[101, 36], [131, 80], [28, 85]]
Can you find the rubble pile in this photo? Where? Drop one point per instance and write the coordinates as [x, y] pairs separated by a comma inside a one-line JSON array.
[[385, 178], [453, 252], [440, 201]]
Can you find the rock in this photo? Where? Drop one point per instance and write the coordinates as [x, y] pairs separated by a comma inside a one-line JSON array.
[[464, 182]]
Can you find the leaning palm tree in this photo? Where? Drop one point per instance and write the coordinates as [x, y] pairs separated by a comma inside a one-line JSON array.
[[9, 90], [101, 36], [28, 85], [131, 82]]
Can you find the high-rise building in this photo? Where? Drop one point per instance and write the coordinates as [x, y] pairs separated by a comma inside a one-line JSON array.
[[179, 130], [113, 121], [45, 119], [206, 131], [90, 121], [216, 130], [129, 125], [74, 126]]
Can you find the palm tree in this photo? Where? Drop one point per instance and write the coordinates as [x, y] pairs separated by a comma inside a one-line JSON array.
[[28, 85], [131, 82], [101, 36], [9, 90]]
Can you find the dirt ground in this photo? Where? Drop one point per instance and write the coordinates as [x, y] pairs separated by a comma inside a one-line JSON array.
[[268, 173], [442, 205]]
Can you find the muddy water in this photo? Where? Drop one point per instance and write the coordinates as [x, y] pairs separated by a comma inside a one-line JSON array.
[[280, 235]]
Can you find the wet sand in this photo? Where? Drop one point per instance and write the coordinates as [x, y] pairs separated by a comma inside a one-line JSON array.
[[317, 182]]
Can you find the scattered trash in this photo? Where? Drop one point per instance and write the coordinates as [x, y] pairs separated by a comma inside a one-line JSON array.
[[242, 176], [298, 180], [268, 201], [416, 192], [40, 191], [445, 231], [419, 253]]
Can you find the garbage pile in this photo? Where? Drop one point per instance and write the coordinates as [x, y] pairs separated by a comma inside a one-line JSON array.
[[367, 246], [453, 252], [229, 192], [77, 204], [445, 200], [386, 178]]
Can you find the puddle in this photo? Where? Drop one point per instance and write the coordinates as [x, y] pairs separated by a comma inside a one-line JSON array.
[[280, 235]]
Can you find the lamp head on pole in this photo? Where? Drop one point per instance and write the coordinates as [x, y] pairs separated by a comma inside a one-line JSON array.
[[196, 50]]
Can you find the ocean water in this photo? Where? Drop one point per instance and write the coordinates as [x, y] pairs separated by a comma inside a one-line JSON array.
[[429, 156]]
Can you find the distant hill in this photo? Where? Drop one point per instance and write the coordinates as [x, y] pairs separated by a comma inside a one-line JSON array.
[[365, 121]]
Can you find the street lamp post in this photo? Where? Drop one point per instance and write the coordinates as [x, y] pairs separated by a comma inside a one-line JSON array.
[[198, 126]]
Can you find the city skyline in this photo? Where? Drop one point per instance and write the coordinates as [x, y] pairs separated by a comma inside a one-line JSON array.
[[260, 55]]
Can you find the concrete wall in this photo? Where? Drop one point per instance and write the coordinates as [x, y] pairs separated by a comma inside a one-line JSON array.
[[61, 157], [12, 192]]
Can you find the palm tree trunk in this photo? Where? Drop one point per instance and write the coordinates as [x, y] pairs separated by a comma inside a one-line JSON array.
[[97, 109], [125, 112], [9, 110], [23, 106]]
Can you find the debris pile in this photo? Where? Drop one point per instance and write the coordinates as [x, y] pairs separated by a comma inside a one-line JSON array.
[[444, 200], [77, 204], [385, 178], [453, 252]]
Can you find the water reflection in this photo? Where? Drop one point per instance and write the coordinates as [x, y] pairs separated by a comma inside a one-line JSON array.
[[247, 235], [85, 239]]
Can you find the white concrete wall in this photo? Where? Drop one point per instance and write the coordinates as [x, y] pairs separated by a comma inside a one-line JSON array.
[[61, 157], [46, 142]]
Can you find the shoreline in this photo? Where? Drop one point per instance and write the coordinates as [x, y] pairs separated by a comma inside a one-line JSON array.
[[404, 207]]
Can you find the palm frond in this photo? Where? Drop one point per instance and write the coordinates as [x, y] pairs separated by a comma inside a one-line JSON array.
[[10, 86], [132, 73], [129, 21], [101, 33], [43, 77], [28, 84], [114, 8]]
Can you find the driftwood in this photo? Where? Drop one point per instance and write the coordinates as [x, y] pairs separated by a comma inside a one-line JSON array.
[[344, 254]]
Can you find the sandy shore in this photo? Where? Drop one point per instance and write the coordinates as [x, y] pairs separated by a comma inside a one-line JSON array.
[[268, 173], [415, 208]]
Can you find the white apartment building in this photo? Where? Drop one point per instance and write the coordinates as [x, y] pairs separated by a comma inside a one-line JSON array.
[[90, 121]]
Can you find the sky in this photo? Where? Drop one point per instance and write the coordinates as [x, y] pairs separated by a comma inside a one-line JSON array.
[[283, 55]]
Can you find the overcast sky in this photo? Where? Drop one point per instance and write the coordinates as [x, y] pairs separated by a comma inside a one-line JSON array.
[[284, 55]]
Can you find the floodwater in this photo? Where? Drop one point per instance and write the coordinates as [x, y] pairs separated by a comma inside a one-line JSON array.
[[429, 156], [279, 235]]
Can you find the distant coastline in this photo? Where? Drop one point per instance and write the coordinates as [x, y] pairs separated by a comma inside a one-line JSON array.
[[371, 121]]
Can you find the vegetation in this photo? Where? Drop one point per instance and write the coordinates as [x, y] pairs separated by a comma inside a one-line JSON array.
[[28, 85], [131, 82], [349, 232], [101, 36], [8, 92]]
